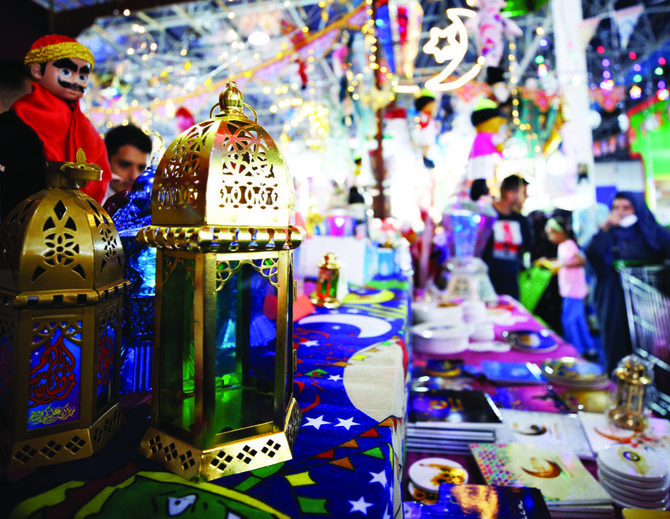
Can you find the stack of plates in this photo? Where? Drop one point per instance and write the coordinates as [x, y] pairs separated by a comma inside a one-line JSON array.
[[441, 339], [446, 313], [474, 312], [576, 373], [635, 478], [426, 475]]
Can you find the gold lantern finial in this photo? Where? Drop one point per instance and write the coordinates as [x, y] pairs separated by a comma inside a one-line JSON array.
[[231, 100], [72, 174], [633, 378]]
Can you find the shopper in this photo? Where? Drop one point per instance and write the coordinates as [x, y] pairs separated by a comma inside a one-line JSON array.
[[128, 149], [511, 237], [630, 235], [479, 190], [572, 286]]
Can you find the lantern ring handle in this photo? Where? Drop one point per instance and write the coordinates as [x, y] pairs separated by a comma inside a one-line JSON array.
[[253, 111], [211, 111]]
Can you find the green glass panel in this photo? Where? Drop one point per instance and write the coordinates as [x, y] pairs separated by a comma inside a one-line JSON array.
[[246, 331], [176, 378]]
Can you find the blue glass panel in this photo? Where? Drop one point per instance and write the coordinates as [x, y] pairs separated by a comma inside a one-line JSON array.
[[106, 365], [54, 379]]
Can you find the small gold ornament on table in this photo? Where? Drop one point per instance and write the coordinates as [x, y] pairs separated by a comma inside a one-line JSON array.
[[222, 205], [61, 292], [633, 377], [327, 282]]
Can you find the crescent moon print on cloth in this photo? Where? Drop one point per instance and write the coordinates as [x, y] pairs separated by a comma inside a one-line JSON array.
[[368, 326], [553, 470], [383, 296]]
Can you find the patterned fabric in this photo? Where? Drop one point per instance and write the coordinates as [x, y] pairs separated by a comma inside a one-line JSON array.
[[351, 387]]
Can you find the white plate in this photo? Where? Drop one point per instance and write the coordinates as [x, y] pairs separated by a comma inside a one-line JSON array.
[[637, 486], [483, 332], [438, 338], [427, 474], [493, 346], [631, 503], [432, 311], [627, 492], [634, 464]]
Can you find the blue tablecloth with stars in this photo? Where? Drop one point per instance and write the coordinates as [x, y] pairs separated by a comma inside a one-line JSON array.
[[351, 385]]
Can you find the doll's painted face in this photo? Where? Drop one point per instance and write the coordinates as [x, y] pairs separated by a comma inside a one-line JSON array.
[[66, 78]]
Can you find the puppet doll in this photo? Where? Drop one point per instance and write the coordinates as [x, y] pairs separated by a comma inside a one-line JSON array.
[[47, 124], [488, 145]]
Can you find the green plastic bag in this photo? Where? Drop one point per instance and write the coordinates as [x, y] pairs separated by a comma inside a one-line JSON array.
[[532, 284]]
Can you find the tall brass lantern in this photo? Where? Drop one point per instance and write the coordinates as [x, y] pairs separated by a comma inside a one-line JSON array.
[[61, 289], [222, 205]]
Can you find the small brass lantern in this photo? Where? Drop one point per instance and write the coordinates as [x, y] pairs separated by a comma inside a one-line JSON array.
[[633, 378], [222, 206], [61, 290], [327, 282]]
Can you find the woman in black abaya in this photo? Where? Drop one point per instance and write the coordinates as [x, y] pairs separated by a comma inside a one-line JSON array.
[[630, 236]]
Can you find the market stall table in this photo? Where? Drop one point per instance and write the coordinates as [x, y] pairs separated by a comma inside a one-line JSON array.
[[535, 397], [514, 318], [351, 386]]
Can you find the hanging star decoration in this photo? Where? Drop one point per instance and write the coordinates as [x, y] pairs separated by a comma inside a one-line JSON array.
[[456, 36]]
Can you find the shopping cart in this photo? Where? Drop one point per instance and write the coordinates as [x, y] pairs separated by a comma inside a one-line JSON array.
[[647, 293]]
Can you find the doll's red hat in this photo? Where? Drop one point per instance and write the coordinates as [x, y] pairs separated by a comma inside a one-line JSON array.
[[55, 46]]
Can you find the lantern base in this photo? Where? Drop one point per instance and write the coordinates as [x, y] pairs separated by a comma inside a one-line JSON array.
[[328, 302], [51, 449], [247, 454], [632, 421]]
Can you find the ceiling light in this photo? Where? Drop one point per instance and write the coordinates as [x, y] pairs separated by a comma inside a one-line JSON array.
[[259, 38]]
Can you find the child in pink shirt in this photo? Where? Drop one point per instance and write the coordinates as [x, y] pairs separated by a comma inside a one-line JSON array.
[[571, 285]]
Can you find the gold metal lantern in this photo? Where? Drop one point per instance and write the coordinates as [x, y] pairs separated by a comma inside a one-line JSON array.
[[633, 377], [222, 208], [61, 289]]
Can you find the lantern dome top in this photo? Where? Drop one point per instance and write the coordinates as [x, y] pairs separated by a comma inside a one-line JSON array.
[[225, 171], [635, 370], [59, 246]]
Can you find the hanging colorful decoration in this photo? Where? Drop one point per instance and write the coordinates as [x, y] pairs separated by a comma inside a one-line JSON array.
[[539, 125], [406, 17], [521, 7], [456, 36], [607, 98], [490, 29]]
